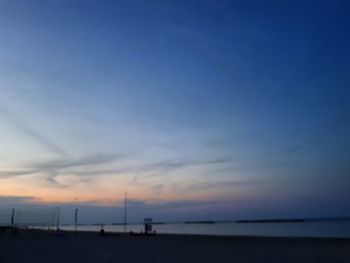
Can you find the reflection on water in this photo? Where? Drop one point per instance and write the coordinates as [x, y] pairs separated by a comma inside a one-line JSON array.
[[304, 229]]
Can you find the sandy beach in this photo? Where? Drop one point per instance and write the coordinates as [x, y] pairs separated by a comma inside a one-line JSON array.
[[40, 246]]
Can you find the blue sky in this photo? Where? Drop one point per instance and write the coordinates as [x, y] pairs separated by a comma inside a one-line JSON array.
[[199, 109]]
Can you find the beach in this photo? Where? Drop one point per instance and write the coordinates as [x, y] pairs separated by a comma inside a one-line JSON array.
[[41, 246]]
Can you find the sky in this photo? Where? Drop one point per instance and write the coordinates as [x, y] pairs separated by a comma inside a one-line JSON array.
[[197, 109]]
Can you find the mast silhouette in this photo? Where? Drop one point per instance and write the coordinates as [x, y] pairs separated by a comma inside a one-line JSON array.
[[76, 219], [125, 210]]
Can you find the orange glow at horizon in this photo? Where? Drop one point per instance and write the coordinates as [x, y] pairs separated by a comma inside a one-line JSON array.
[[110, 191]]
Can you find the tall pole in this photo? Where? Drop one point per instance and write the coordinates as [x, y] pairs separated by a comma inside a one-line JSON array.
[[13, 217], [76, 219], [58, 217], [125, 210]]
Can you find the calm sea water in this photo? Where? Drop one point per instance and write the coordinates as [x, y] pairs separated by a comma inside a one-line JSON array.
[[339, 229]]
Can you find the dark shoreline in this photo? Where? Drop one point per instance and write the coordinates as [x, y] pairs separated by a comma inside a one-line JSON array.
[[87, 232], [261, 220]]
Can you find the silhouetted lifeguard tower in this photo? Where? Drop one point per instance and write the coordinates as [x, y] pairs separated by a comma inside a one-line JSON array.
[[148, 225]]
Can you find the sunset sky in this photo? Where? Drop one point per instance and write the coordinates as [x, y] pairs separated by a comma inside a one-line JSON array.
[[198, 109]]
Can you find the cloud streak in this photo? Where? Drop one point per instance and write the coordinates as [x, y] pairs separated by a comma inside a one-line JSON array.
[[53, 168], [32, 133], [170, 164], [87, 168], [153, 169], [226, 184], [16, 200], [64, 163], [14, 173]]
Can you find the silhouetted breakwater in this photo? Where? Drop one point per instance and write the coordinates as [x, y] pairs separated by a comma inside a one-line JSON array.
[[272, 221], [199, 222]]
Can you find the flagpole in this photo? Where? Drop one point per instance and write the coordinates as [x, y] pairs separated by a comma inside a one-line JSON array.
[[125, 210]]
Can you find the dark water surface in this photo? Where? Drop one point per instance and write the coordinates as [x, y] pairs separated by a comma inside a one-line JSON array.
[[298, 229]]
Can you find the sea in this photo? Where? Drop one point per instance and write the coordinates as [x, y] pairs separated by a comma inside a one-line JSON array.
[[326, 228]]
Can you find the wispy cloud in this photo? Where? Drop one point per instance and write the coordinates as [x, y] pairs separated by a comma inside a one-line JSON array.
[[24, 127], [9, 173], [53, 168], [88, 167], [64, 163], [171, 164], [15, 200], [167, 165], [227, 184], [157, 189], [52, 182]]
